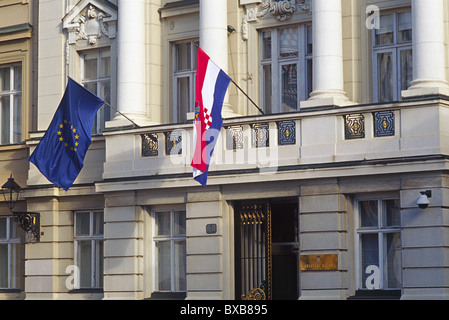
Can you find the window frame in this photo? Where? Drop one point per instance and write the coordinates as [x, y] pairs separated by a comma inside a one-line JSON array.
[[13, 244], [380, 231], [13, 93], [190, 74], [395, 49], [302, 60], [101, 117], [97, 261], [155, 290]]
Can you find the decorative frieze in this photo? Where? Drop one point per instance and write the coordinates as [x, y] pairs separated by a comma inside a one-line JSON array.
[[173, 142], [384, 123], [260, 135], [281, 10], [90, 20], [149, 145], [234, 138], [354, 126], [286, 132]]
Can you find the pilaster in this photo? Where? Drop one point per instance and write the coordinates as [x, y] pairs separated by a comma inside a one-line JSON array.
[[46, 260], [206, 266], [323, 224], [123, 248], [425, 253]]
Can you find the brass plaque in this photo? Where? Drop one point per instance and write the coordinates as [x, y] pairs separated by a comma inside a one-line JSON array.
[[321, 262]]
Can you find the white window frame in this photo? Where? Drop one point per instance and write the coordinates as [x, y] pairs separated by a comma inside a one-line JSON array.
[[276, 62], [179, 74], [381, 232], [101, 117], [172, 238], [13, 94], [96, 280], [394, 48], [13, 251]]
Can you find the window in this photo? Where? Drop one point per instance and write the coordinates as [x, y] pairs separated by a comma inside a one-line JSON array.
[[379, 244], [96, 77], [184, 73], [89, 248], [9, 253], [10, 104], [392, 56], [169, 238], [286, 67]]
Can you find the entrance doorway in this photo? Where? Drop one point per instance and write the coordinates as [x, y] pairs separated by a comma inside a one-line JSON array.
[[266, 249]]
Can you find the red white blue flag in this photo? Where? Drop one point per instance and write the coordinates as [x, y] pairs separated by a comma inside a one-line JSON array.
[[211, 86]]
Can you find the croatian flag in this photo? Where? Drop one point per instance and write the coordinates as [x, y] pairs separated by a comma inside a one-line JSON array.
[[211, 86]]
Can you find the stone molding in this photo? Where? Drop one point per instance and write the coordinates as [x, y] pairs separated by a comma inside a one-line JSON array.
[[280, 10], [90, 20]]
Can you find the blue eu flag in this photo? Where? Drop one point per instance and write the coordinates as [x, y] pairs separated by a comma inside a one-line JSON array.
[[59, 156]]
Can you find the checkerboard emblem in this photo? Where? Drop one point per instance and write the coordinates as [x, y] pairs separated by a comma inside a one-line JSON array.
[[211, 86], [207, 118]]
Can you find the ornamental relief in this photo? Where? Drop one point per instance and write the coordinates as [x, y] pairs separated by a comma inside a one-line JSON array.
[[90, 23], [281, 10], [91, 26]]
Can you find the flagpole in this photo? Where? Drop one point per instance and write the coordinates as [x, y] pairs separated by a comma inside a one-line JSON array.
[[135, 124], [238, 87], [247, 96]]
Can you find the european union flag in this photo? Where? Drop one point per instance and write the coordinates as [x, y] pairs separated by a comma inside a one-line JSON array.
[[59, 156]]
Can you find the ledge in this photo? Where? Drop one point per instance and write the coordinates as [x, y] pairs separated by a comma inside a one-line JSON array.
[[171, 9], [168, 296], [389, 294], [16, 28], [10, 291], [20, 31]]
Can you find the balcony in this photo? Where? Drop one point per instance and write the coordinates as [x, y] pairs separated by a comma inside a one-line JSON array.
[[314, 143], [325, 142]]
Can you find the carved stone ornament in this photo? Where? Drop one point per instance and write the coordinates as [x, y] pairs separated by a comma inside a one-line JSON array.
[[91, 20], [281, 10]]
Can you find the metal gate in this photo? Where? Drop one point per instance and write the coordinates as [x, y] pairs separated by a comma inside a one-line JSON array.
[[253, 251]]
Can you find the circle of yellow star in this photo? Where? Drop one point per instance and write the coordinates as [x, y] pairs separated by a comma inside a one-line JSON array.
[[74, 134]]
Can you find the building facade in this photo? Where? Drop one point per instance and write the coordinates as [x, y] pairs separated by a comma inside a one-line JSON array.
[[312, 197]]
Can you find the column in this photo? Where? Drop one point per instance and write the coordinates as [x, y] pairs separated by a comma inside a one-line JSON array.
[[429, 68], [328, 87], [214, 37], [131, 62]]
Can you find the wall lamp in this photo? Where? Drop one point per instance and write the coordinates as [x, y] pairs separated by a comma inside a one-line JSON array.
[[423, 200], [28, 221]]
